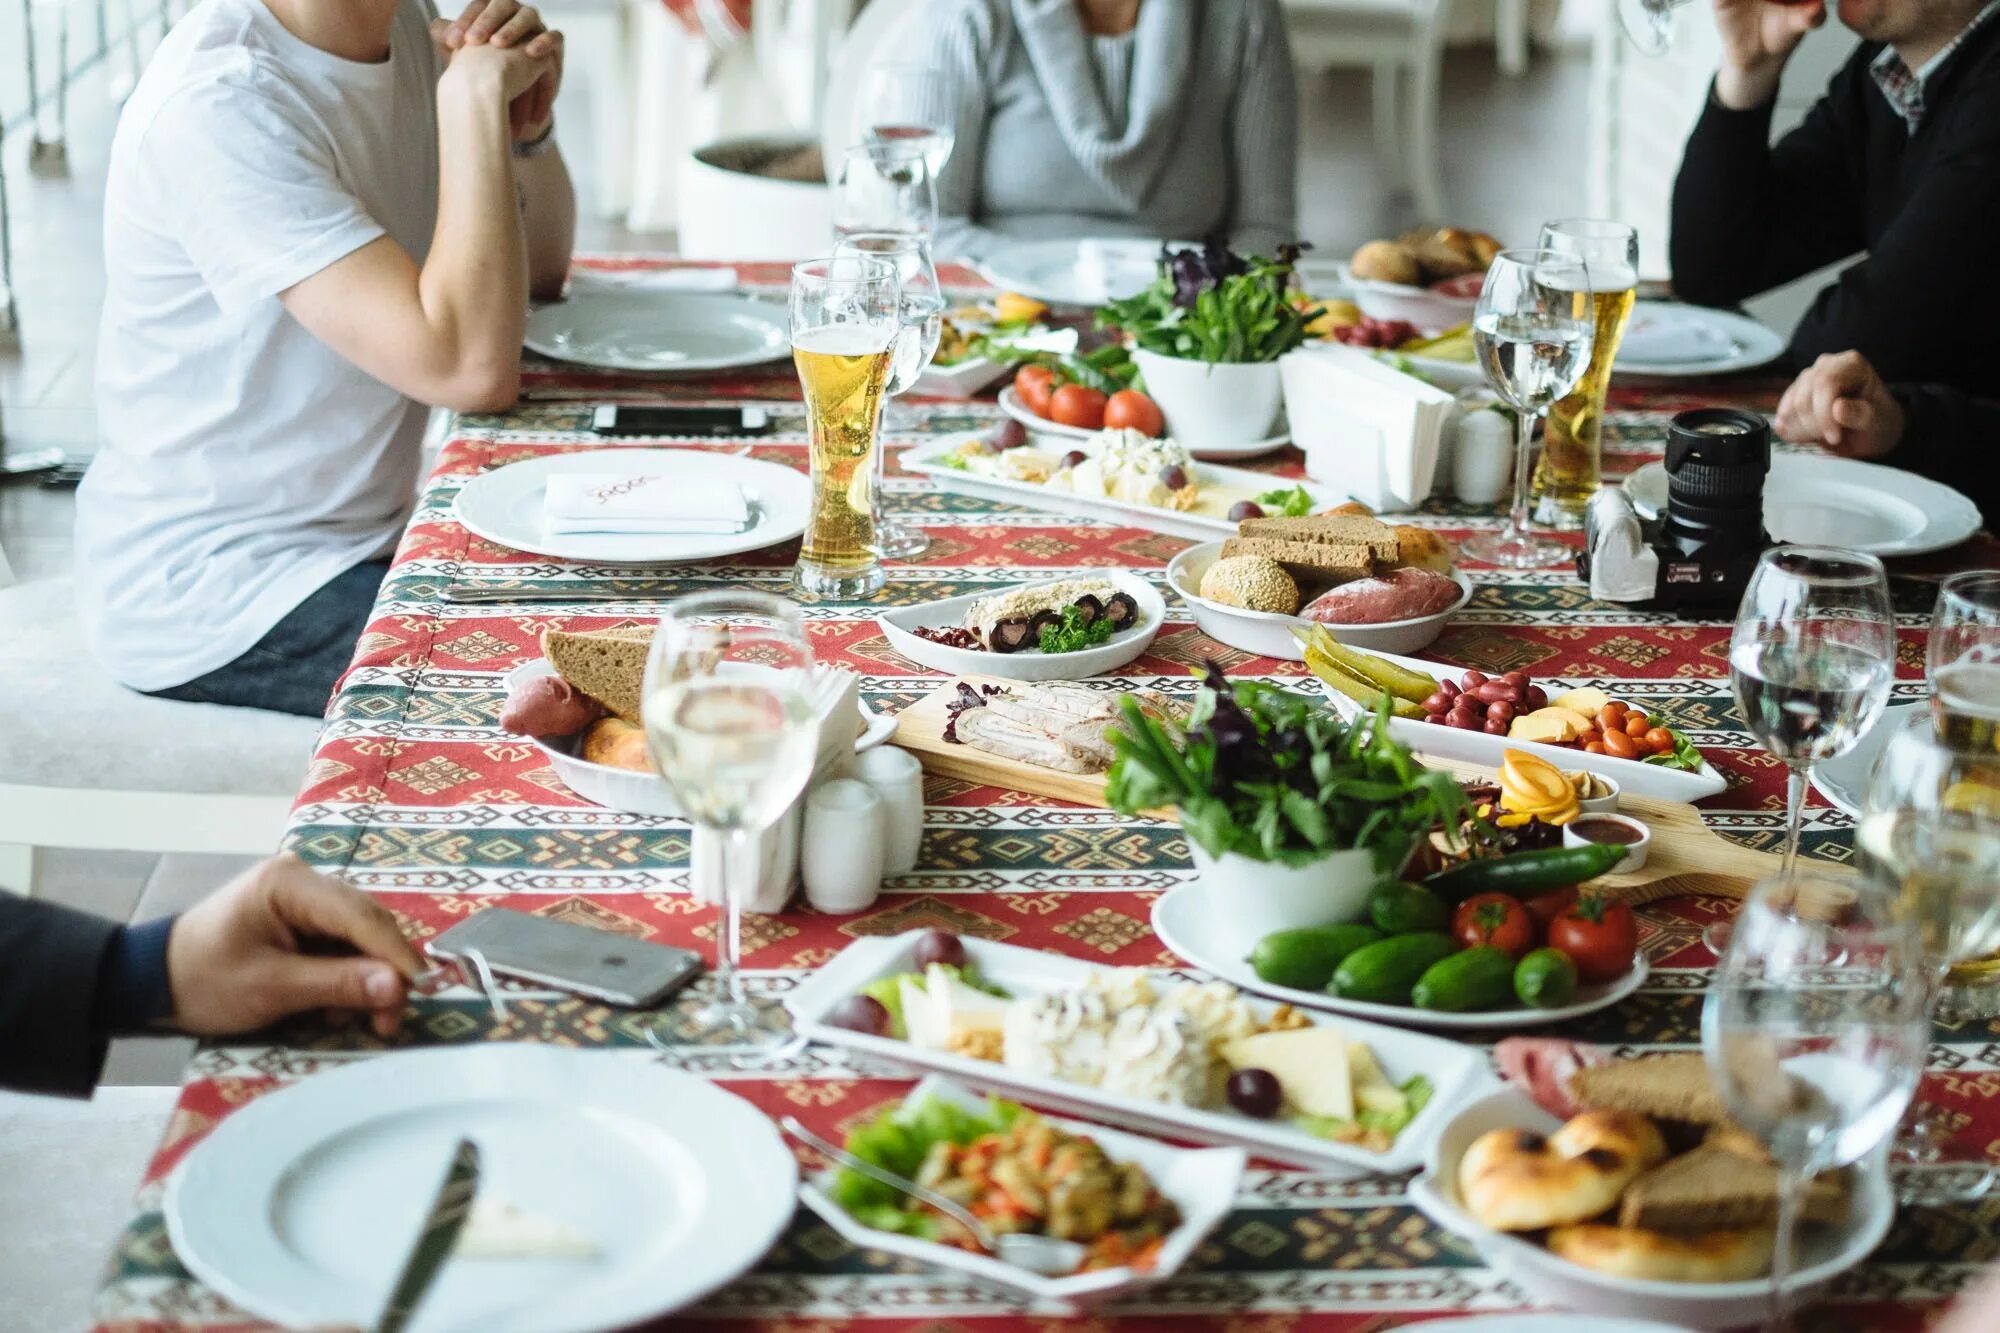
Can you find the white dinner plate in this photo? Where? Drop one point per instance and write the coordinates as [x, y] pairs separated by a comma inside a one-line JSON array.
[[1184, 923], [1547, 1323], [1011, 404], [1078, 272], [1269, 634], [1843, 780], [1670, 339], [1819, 500], [1201, 1182], [303, 1206], [899, 626], [505, 505], [630, 328], [1455, 1071]]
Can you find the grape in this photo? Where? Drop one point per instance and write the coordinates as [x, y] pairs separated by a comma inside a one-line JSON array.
[[1243, 509], [1448, 688], [1009, 434], [1173, 476], [1500, 711], [1074, 458], [1537, 698], [860, 1013], [937, 946], [1442, 719], [1465, 719], [1474, 679], [1438, 703], [1255, 1092], [1520, 678], [1495, 728]]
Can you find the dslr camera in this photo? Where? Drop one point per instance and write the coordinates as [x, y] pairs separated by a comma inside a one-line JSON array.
[[1702, 548]]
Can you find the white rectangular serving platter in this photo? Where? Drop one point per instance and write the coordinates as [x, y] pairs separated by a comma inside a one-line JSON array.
[[961, 380], [1456, 1071], [927, 459], [1201, 1182], [1476, 747]]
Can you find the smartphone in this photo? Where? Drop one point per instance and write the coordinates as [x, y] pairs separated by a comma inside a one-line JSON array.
[[710, 422], [599, 964]]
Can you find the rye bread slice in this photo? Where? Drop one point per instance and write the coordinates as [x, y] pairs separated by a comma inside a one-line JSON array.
[[609, 665], [1666, 1087], [1331, 529], [1314, 562], [1713, 1188]]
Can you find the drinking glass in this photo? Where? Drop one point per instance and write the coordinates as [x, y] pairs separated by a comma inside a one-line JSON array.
[[884, 186], [904, 104], [921, 303], [1818, 1061], [845, 324], [1963, 660], [730, 724], [1532, 331], [1573, 441], [1650, 23]]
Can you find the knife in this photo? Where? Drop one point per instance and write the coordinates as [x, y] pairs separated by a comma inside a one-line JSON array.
[[441, 1227]]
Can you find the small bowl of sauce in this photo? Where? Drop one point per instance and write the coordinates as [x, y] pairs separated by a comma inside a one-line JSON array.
[[1613, 830]]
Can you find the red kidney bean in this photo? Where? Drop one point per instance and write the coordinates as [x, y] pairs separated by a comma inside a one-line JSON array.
[[1463, 719], [1500, 710], [1437, 703], [1474, 679], [1439, 718], [1493, 691], [1519, 678], [1495, 728], [1448, 688], [1537, 698]]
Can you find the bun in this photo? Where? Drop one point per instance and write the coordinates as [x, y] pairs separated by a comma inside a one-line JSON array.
[[1448, 252], [1486, 245], [617, 743], [1420, 548], [1386, 261], [1518, 1180], [1653, 1256], [1253, 582]]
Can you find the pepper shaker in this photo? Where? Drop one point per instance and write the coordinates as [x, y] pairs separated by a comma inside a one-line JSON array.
[[1482, 457], [841, 856], [896, 777]]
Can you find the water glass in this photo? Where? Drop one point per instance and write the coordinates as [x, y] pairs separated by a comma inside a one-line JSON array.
[[904, 104], [885, 187]]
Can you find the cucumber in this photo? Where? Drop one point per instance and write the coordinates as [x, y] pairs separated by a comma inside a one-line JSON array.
[[1545, 979], [1384, 972], [1403, 683], [1525, 874], [1304, 959], [1406, 909], [1479, 978], [1364, 692]]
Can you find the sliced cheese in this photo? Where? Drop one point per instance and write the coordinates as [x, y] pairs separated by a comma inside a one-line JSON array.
[[1589, 701], [943, 1005], [497, 1229], [1372, 1089], [1549, 725], [1310, 1064]]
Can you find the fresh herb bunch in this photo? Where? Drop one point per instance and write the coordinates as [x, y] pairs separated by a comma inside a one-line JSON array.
[[1274, 776], [1216, 306], [1075, 634]]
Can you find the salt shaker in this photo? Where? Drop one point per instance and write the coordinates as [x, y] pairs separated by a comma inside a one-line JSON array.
[[896, 777], [1482, 457], [841, 855]]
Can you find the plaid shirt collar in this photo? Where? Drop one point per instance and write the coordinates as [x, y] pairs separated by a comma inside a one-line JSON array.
[[1904, 87]]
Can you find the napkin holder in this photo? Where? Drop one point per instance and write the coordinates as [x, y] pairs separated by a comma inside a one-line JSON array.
[[1365, 427]]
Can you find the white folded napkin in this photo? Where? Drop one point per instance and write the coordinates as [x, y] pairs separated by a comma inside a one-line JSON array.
[[642, 502], [1364, 426], [1666, 335]]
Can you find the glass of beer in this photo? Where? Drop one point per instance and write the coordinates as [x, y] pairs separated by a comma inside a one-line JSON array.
[[1963, 661], [845, 320], [1571, 467], [921, 301]]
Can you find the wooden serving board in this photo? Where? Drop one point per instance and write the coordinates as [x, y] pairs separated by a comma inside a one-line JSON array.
[[1686, 855]]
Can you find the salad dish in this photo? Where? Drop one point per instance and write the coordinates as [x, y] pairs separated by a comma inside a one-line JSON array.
[[1058, 629], [1138, 1206], [1196, 1060], [979, 340]]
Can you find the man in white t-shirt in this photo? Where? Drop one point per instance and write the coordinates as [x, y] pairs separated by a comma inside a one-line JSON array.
[[321, 216]]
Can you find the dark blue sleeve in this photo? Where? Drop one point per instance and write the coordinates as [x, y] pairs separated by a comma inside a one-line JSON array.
[[132, 990]]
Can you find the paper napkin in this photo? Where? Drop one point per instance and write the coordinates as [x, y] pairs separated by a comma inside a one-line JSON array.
[[644, 503], [1364, 426]]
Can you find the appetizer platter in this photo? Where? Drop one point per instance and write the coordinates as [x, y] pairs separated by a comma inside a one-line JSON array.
[[1118, 476], [1623, 1189], [1139, 1206], [1199, 1061], [980, 340], [1054, 630], [1387, 588]]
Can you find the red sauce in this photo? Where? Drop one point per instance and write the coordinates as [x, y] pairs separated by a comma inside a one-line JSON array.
[[1599, 828]]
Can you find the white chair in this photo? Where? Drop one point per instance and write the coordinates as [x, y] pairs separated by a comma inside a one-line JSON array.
[[1402, 42], [87, 763]]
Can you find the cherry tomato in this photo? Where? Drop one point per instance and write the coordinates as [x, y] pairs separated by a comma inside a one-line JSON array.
[[1074, 405], [1546, 907], [1036, 385], [1660, 740], [1129, 409], [1598, 935], [1497, 919], [1621, 744]]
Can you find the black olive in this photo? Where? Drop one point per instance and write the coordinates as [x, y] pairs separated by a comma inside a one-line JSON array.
[[1121, 609], [1011, 635], [1090, 607]]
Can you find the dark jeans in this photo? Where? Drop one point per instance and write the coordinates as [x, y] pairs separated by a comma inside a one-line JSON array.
[[293, 668]]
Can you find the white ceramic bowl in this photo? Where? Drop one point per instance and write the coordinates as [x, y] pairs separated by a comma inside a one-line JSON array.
[[1248, 899], [1430, 311], [899, 626], [1270, 635], [1824, 1252], [1606, 804], [1635, 851], [1218, 403]]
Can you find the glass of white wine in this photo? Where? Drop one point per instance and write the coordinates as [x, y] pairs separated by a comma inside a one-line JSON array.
[[730, 724], [920, 300], [1532, 331]]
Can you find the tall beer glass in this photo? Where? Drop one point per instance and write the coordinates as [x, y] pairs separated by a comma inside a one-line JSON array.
[[1571, 468], [844, 324]]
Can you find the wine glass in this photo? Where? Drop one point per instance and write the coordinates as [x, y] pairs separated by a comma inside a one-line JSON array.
[[1963, 660], [1649, 23], [885, 186], [1532, 330], [1817, 1060], [1930, 830], [906, 104], [730, 724], [921, 303]]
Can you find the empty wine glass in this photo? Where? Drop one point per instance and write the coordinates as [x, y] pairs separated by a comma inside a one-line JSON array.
[[885, 186], [730, 724], [1532, 330], [906, 104], [1817, 1060], [1649, 23], [920, 302]]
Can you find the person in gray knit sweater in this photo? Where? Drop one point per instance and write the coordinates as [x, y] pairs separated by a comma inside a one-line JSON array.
[[1170, 119]]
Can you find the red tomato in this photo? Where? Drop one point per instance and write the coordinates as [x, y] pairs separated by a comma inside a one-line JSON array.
[[1131, 410], [1036, 385], [1074, 405], [1598, 935], [1497, 919], [1546, 907]]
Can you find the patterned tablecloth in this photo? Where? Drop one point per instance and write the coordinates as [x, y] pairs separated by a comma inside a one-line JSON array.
[[417, 795]]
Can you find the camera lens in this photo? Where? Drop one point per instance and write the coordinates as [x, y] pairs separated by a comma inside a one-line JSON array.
[[1717, 458]]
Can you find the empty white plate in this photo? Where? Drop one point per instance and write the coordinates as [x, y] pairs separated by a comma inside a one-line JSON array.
[[1086, 272], [303, 1206], [632, 328], [505, 506], [1666, 338], [1820, 500]]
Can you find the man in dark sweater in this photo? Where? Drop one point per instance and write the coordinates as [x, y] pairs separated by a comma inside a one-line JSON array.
[[1900, 161], [253, 952]]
